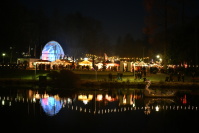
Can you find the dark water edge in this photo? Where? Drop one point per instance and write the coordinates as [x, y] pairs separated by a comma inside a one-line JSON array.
[[71, 121]]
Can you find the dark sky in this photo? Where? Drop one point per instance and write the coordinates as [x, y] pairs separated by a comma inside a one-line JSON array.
[[118, 17]]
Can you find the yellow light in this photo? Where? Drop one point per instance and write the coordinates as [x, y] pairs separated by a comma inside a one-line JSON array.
[[99, 97]]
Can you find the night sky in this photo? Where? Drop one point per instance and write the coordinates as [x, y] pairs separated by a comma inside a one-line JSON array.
[[118, 17], [133, 28]]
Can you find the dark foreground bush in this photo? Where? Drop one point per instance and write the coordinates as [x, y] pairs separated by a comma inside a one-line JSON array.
[[64, 79]]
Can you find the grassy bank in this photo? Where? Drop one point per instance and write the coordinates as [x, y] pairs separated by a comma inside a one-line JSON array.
[[94, 78]]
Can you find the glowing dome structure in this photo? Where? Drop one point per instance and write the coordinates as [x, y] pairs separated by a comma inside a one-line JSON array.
[[50, 105], [52, 51]]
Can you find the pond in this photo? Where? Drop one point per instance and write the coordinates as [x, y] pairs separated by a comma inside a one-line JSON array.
[[99, 110]]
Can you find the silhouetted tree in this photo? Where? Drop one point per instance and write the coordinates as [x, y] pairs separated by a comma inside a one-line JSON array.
[[164, 16], [65, 79]]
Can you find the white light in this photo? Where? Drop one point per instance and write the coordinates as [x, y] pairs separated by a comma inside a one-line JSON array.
[[2, 102], [86, 59], [156, 108], [85, 101]]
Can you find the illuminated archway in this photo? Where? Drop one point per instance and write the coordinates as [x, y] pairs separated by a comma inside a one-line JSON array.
[[52, 51]]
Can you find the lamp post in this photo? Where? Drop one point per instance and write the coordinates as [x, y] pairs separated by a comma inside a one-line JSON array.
[[3, 57], [35, 70], [96, 75], [158, 59], [134, 69], [10, 54]]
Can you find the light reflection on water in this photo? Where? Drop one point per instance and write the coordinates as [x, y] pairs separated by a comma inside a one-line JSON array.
[[40, 106]]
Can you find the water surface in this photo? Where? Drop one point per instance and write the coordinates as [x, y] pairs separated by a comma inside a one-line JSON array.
[[113, 110]]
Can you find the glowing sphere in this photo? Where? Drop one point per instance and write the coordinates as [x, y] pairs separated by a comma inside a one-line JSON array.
[[52, 51], [50, 105]]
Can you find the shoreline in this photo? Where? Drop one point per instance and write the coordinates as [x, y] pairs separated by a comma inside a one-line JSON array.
[[99, 79], [111, 84]]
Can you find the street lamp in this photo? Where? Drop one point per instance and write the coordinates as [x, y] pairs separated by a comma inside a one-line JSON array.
[[10, 54], [159, 59], [35, 70], [3, 57]]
